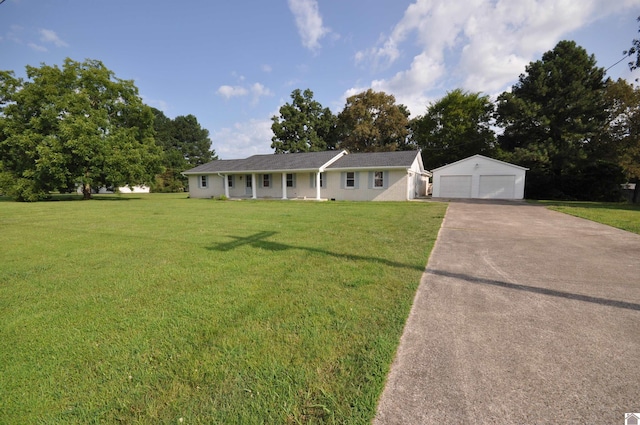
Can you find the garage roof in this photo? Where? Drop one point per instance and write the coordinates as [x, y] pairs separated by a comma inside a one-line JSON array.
[[479, 156]]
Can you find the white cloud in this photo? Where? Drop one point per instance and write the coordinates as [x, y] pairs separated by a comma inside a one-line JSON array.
[[244, 139], [256, 91], [14, 33], [49, 36], [483, 45], [239, 77], [308, 22], [232, 91], [266, 68], [37, 47]]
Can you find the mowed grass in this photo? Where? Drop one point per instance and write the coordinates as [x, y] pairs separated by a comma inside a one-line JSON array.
[[622, 216], [153, 309]]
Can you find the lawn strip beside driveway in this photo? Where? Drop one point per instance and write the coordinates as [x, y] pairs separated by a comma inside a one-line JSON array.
[[523, 315]]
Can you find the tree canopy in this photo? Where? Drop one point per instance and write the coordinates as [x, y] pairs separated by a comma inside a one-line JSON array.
[[619, 142], [372, 121], [185, 144], [77, 125], [455, 127], [552, 114], [303, 125]]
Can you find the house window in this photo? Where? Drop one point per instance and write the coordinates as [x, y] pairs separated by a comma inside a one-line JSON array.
[[204, 180], [314, 180], [378, 179], [351, 179], [230, 181], [290, 180], [266, 180]]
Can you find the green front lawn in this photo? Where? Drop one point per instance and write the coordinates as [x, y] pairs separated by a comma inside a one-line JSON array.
[[622, 216], [161, 309]]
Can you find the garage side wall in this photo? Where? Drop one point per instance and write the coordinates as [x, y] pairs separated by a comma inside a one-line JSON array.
[[479, 177]]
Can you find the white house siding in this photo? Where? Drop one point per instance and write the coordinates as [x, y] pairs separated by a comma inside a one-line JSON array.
[[302, 186], [418, 182], [214, 186], [400, 182], [479, 177], [396, 187], [395, 190]]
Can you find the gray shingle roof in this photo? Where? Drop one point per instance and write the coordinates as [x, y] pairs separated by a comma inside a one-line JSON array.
[[376, 159], [307, 161], [273, 162]]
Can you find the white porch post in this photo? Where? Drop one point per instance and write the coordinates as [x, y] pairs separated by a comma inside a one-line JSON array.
[[254, 193], [318, 185], [284, 185], [226, 185]]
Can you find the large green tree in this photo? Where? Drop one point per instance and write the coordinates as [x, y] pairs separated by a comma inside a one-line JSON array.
[[73, 125], [373, 121], [550, 116], [185, 144], [455, 127], [619, 142], [303, 125]]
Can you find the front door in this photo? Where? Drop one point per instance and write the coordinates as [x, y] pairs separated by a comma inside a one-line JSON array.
[[249, 191]]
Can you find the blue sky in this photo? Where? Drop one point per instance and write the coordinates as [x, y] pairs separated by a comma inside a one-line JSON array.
[[233, 64]]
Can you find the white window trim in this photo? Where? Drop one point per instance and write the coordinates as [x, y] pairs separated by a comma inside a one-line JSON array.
[[375, 180], [323, 178], [268, 181], [346, 180], [293, 180]]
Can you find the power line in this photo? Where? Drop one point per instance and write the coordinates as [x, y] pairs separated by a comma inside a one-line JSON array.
[[623, 58]]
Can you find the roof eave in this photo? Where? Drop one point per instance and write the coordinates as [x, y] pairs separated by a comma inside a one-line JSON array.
[[371, 167]]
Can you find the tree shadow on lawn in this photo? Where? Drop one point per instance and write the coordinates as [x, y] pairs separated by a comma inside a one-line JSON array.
[[258, 240]]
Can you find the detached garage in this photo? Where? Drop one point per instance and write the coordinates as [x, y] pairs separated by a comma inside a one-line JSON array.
[[479, 177]]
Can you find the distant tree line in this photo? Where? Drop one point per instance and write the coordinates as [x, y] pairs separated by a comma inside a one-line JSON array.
[[577, 131], [78, 126]]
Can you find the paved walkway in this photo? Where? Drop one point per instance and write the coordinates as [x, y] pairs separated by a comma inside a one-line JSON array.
[[523, 315]]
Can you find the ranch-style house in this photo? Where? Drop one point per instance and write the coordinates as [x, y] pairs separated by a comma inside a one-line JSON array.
[[329, 175]]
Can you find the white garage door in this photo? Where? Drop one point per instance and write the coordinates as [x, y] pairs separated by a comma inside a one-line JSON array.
[[497, 187], [455, 186]]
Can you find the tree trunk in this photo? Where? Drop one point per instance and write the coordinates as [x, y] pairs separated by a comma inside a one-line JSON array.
[[86, 191], [636, 192]]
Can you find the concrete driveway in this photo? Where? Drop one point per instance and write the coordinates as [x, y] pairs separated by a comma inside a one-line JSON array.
[[523, 315]]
